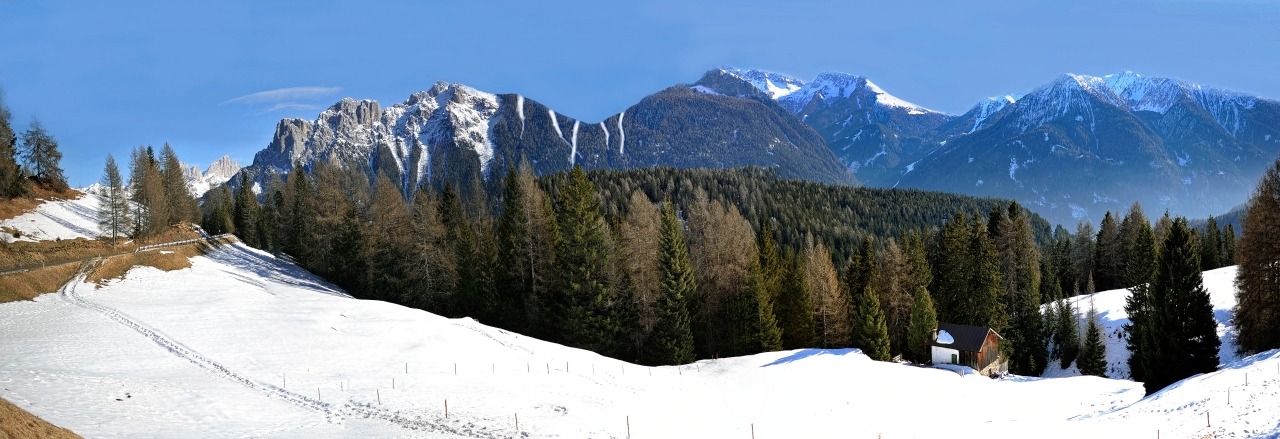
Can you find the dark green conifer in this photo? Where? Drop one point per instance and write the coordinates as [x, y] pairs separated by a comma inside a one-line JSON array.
[[1184, 330], [1139, 270], [871, 333], [1093, 355], [671, 341], [795, 307], [582, 261], [920, 330]]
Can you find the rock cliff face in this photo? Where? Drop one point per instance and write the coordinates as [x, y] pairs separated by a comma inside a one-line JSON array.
[[218, 173], [454, 133]]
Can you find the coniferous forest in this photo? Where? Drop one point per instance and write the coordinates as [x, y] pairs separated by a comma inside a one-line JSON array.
[[664, 266]]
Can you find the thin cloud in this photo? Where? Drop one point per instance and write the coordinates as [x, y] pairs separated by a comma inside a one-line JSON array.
[[284, 94], [289, 106]]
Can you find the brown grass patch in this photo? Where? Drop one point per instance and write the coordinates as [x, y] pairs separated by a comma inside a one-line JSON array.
[[36, 254], [17, 423], [18, 206], [166, 258], [27, 285]]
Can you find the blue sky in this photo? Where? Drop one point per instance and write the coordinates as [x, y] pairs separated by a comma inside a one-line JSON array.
[[213, 78]]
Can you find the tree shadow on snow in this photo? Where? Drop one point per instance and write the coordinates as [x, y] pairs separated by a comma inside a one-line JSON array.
[[269, 268], [806, 353]]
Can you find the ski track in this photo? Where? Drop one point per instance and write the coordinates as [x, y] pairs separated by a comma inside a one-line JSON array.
[[332, 414]]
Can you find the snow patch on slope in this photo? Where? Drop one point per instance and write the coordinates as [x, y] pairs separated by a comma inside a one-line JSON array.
[[56, 219]]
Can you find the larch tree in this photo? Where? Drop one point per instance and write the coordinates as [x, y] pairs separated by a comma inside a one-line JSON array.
[[435, 262], [895, 284], [40, 151], [146, 188], [1083, 251], [1020, 278], [12, 184], [113, 216], [637, 247], [722, 249], [181, 205], [671, 340], [831, 312], [1257, 310]]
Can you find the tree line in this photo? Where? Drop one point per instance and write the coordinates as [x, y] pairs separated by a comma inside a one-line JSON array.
[[1257, 311], [154, 198], [663, 266]]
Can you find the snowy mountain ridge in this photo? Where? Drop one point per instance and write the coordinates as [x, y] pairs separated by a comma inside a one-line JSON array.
[[219, 172]]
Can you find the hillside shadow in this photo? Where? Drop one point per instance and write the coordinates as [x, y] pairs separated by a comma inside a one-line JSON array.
[[268, 268], [806, 353]]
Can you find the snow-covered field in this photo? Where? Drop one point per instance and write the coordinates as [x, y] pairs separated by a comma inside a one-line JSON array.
[[56, 219], [240, 345]]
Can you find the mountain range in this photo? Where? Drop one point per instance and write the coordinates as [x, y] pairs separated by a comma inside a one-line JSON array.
[[1070, 150], [452, 133]]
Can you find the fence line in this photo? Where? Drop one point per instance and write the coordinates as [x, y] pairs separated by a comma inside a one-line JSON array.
[[183, 242]]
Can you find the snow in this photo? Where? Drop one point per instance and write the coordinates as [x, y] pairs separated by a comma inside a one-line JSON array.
[[261, 348], [622, 135], [776, 85], [520, 113], [56, 219], [555, 123], [605, 129], [705, 90], [944, 337], [888, 100], [573, 144]]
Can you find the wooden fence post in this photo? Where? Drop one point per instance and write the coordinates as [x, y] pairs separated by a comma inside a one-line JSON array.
[[393, 383], [517, 422], [628, 426], [317, 393], [753, 430], [379, 395], [446, 408]]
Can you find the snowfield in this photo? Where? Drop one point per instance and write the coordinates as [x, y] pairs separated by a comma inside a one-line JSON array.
[[242, 345], [57, 219]]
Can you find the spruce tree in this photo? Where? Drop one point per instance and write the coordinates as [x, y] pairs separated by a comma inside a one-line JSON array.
[[1228, 253], [1211, 246], [1083, 251], [113, 215], [302, 243], [671, 341], [920, 330], [1093, 355], [582, 261], [1020, 275], [760, 331], [1257, 290], [1139, 270], [871, 334], [1186, 339], [983, 307], [795, 307], [1067, 340], [1109, 268]]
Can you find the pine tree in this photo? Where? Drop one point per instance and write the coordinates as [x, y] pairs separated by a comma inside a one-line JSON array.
[[582, 261], [671, 341], [870, 332], [113, 216], [1211, 246], [1093, 355], [920, 331], [1139, 270], [1182, 315], [40, 151], [1257, 290], [246, 213]]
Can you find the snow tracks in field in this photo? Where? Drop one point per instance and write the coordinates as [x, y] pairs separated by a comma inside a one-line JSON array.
[[332, 413]]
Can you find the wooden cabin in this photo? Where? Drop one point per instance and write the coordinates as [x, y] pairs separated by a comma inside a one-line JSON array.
[[974, 346]]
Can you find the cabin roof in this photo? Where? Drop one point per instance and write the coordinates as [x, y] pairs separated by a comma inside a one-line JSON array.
[[967, 338]]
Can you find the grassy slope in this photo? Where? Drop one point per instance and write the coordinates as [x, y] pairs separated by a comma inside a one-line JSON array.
[[16, 423]]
